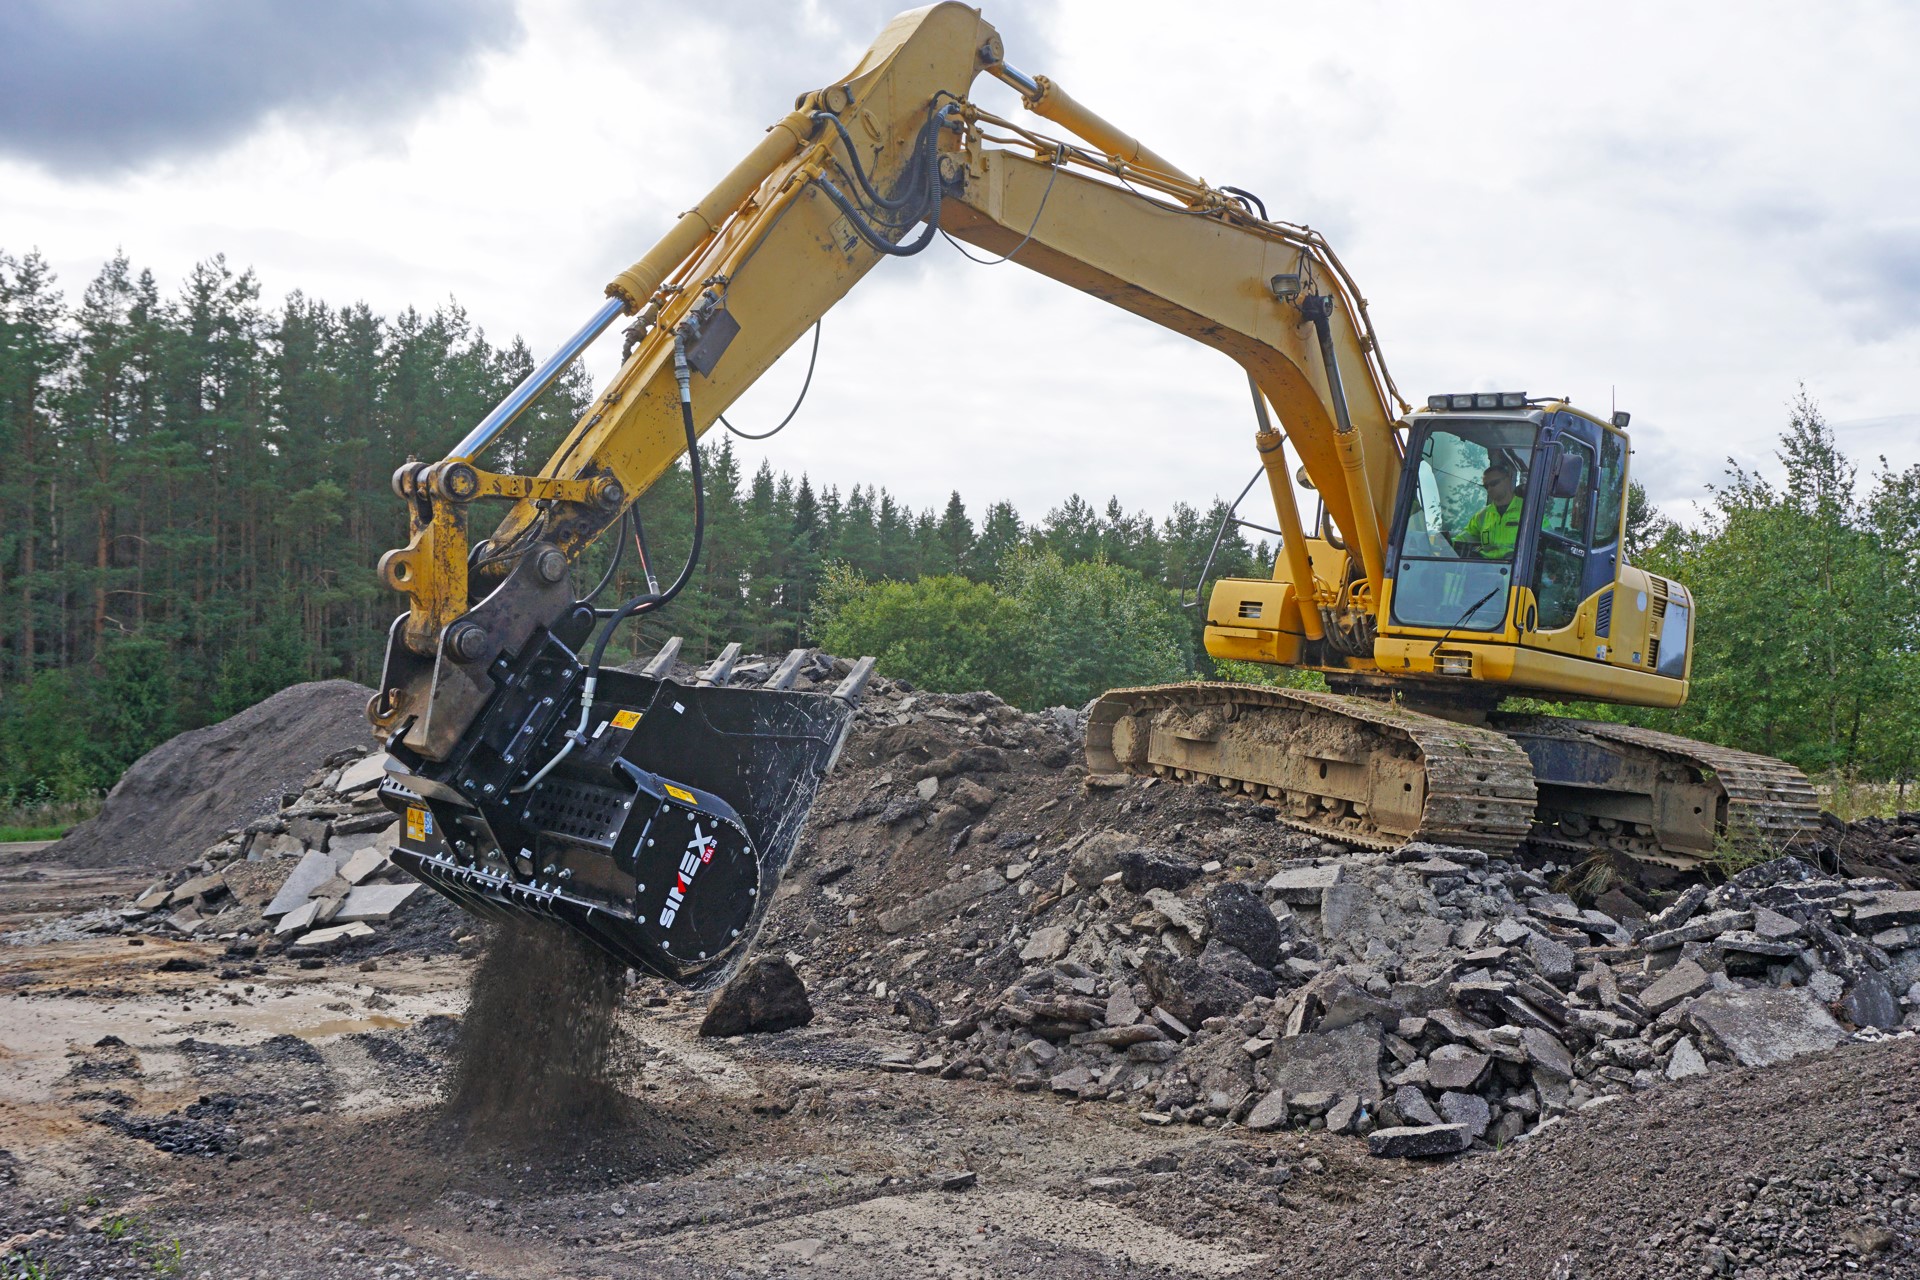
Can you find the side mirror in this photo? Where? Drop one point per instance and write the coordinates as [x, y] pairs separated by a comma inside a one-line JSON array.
[[1566, 477]]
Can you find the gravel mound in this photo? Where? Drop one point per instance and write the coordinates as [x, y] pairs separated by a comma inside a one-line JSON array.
[[189, 791], [1807, 1169]]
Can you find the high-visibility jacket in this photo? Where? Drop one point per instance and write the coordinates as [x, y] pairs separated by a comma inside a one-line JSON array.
[[1495, 530]]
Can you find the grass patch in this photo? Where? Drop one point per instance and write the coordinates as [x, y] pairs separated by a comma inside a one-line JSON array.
[[1849, 799], [13, 835], [43, 819]]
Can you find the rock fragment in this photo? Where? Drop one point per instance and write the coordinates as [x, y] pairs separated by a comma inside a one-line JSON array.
[[766, 995], [1760, 1028], [1413, 1142]]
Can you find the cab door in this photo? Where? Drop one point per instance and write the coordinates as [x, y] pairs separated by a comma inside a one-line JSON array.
[[1564, 542], [1576, 558]]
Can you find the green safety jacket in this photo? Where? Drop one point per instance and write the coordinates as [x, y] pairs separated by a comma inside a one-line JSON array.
[[1495, 531]]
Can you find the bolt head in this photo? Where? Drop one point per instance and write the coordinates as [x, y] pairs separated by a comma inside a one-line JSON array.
[[467, 642], [552, 565]]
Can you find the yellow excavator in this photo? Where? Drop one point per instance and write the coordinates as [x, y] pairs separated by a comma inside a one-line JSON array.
[[1461, 553]]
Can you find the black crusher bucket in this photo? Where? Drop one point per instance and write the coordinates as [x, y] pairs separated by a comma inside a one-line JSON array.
[[660, 836]]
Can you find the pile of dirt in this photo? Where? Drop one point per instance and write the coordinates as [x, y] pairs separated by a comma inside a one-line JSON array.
[[1802, 1170], [192, 789]]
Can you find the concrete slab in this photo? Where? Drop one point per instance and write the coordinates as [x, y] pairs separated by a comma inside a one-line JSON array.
[[1760, 1028], [363, 774], [1676, 984], [1346, 1061], [334, 935], [364, 863], [375, 902], [1302, 886], [315, 869], [301, 917]]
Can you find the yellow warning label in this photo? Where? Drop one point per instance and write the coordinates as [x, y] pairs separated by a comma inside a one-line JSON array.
[[419, 824], [626, 719], [679, 793]]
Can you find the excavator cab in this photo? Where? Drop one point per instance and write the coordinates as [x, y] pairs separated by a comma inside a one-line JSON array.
[[1508, 517]]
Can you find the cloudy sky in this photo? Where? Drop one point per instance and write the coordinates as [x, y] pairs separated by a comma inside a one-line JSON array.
[[1689, 210]]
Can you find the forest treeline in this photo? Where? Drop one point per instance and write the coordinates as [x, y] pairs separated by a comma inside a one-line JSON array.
[[194, 490]]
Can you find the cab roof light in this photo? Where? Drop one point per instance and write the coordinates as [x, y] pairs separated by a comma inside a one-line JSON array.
[[1621, 417], [1478, 400]]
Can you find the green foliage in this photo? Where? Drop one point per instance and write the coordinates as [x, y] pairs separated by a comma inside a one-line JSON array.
[[1273, 677], [273, 657], [1092, 626], [18, 1266], [1807, 642], [944, 633], [138, 692], [1051, 634]]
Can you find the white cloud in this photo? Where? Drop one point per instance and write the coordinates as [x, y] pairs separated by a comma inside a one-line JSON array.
[[1692, 209]]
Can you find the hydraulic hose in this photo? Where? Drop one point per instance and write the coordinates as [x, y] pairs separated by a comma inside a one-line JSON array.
[[649, 601], [613, 567], [926, 164]]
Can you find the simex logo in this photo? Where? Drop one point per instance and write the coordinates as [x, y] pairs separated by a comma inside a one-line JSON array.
[[699, 853]]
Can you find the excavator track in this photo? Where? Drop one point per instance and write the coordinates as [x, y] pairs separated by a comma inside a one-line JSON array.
[[1373, 774], [1350, 769], [1688, 796]]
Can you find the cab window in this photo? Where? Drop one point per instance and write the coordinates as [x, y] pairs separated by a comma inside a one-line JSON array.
[[1463, 524]]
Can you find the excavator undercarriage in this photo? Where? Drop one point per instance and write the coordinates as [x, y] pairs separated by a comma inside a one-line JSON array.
[[1376, 774]]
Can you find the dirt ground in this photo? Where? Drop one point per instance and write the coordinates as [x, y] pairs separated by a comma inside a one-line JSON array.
[[168, 1107], [164, 1110]]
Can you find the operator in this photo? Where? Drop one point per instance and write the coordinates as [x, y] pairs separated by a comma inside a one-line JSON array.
[[1493, 532]]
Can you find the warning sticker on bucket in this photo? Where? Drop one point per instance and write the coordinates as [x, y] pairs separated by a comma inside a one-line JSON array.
[[419, 824]]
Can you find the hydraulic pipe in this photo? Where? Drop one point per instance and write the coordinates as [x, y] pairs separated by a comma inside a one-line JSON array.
[[1319, 309], [637, 283], [1048, 100], [1293, 538], [534, 383]]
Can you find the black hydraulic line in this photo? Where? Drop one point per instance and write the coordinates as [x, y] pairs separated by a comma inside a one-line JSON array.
[[640, 546], [654, 600], [1317, 309], [860, 173], [927, 163], [874, 238], [1248, 198], [619, 553], [1218, 535], [811, 361]]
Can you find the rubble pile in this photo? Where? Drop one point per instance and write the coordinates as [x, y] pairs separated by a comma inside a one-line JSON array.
[[1180, 953], [967, 887], [1888, 847], [313, 878]]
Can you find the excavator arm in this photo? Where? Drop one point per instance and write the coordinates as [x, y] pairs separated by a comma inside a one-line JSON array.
[[790, 230], [652, 816]]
